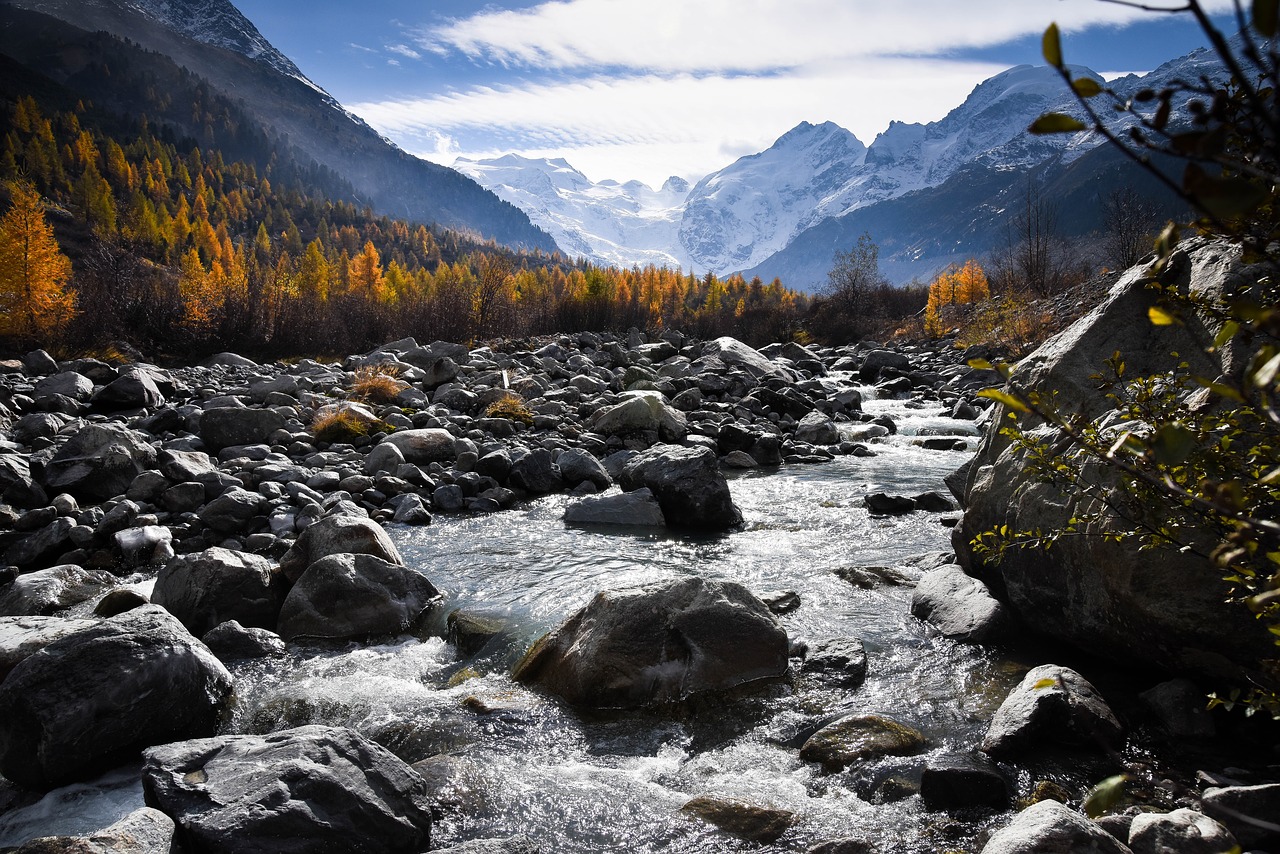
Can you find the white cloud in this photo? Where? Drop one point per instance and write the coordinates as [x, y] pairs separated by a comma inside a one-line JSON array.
[[649, 88], [404, 50]]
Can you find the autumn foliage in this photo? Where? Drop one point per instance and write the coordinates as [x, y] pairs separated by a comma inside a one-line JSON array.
[[35, 303], [955, 286]]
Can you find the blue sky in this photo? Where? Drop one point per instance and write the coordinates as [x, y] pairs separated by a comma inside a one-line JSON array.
[[645, 89]]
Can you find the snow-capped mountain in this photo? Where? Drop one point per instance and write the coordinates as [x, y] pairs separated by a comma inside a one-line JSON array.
[[740, 217], [608, 222]]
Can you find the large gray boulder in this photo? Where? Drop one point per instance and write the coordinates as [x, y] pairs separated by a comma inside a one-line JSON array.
[[631, 509], [640, 412], [143, 831], [1051, 707], [1184, 831], [135, 388], [1249, 812], [230, 426], [57, 588], [99, 462], [425, 446], [726, 353], [210, 587], [959, 606], [355, 596], [338, 535], [688, 484], [298, 791], [21, 637], [93, 699], [1165, 607], [1048, 827], [659, 644]]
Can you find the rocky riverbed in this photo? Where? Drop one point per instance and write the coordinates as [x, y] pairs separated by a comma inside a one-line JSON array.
[[173, 535]]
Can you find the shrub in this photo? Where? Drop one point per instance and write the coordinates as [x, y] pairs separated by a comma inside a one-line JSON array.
[[341, 424], [377, 384], [510, 407]]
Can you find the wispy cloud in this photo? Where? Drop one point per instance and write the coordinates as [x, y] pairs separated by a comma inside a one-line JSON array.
[[648, 88], [404, 50]]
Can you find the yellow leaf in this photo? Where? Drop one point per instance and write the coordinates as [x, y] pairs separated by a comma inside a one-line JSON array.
[[1044, 683], [1007, 399], [1056, 123], [1086, 87], [1161, 317], [1051, 46]]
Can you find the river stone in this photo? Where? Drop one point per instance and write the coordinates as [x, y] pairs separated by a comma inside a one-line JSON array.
[[1051, 706], [298, 791], [99, 462], [688, 484], [1249, 812], [42, 547], [23, 636], [230, 641], [231, 511], [578, 465], [338, 535], [143, 831], [726, 352], [355, 596], [227, 426], [535, 473], [89, 701], [855, 739], [1184, 831], [843, 658], [873, 361], [471, 632], [817, 429], [210, 587], [1048, 827], [425, 446], [641, 412], [135, 388], [883, 504], [142, 546], [182, 466], [637, 508], [959, 606], [963, 781], [659, 644], [741, 819], [1115, 599], [54, 589], [68, 384], [118, 601]]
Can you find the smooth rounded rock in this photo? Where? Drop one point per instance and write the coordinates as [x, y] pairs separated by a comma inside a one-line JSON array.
[[1048, 827], [1052, 706], [688, 484], [210, 587], [354, 596], [338, 535], [855, 739]]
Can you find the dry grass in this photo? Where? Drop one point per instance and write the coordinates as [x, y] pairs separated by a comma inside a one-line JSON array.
[[377, 384], [510, 407], [341, 425]]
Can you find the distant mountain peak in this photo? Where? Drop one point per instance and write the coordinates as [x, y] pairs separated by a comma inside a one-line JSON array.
[[217, 23]]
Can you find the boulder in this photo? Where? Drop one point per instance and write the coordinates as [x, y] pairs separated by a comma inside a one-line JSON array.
[[1249, 812], [297, 791], [228, 426], [741, 819], [42, 547], [1184, 831], [99, 462], [338, 535], [855, 739], [23, 636], [210, 587], [845, 659], [817, 429], [881, 504], [725, 353], [535, 473], [688, 484], [579, 466], [1115, 599], [1051, 706], [57, 588], [425, 446], [135, 388], [875, 360], [641, 412], [637, 508], [963, 781], [68, 384], [959, 606], [231, 511], [355, 596], [91, 700], [1048, 827], [659, 644], [230, 641], [143, 831]]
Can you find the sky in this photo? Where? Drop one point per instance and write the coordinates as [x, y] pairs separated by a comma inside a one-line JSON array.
[[646, 89]]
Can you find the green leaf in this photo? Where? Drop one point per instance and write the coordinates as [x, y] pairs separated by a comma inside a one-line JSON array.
[[1229, 330], [1265, 375], [1220, 389], [1172, 444], [1161, 317], [1044, 683], [1266, 17], [1105, 796], [1007, 399], [1086, 87], [1056, 123], [1051, 46]]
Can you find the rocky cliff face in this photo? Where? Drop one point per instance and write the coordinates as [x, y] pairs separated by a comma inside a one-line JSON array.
[[1161, 607]]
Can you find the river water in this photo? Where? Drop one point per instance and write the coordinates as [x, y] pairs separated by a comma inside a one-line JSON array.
[[520, 762]]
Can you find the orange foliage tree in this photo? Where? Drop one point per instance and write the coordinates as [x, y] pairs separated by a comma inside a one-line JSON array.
[[35, 304], [954, 286]]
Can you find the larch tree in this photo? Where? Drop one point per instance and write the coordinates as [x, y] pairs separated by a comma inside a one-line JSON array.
[[35, 303]]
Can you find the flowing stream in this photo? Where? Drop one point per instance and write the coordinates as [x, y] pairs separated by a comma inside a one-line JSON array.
[[519, 762]]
